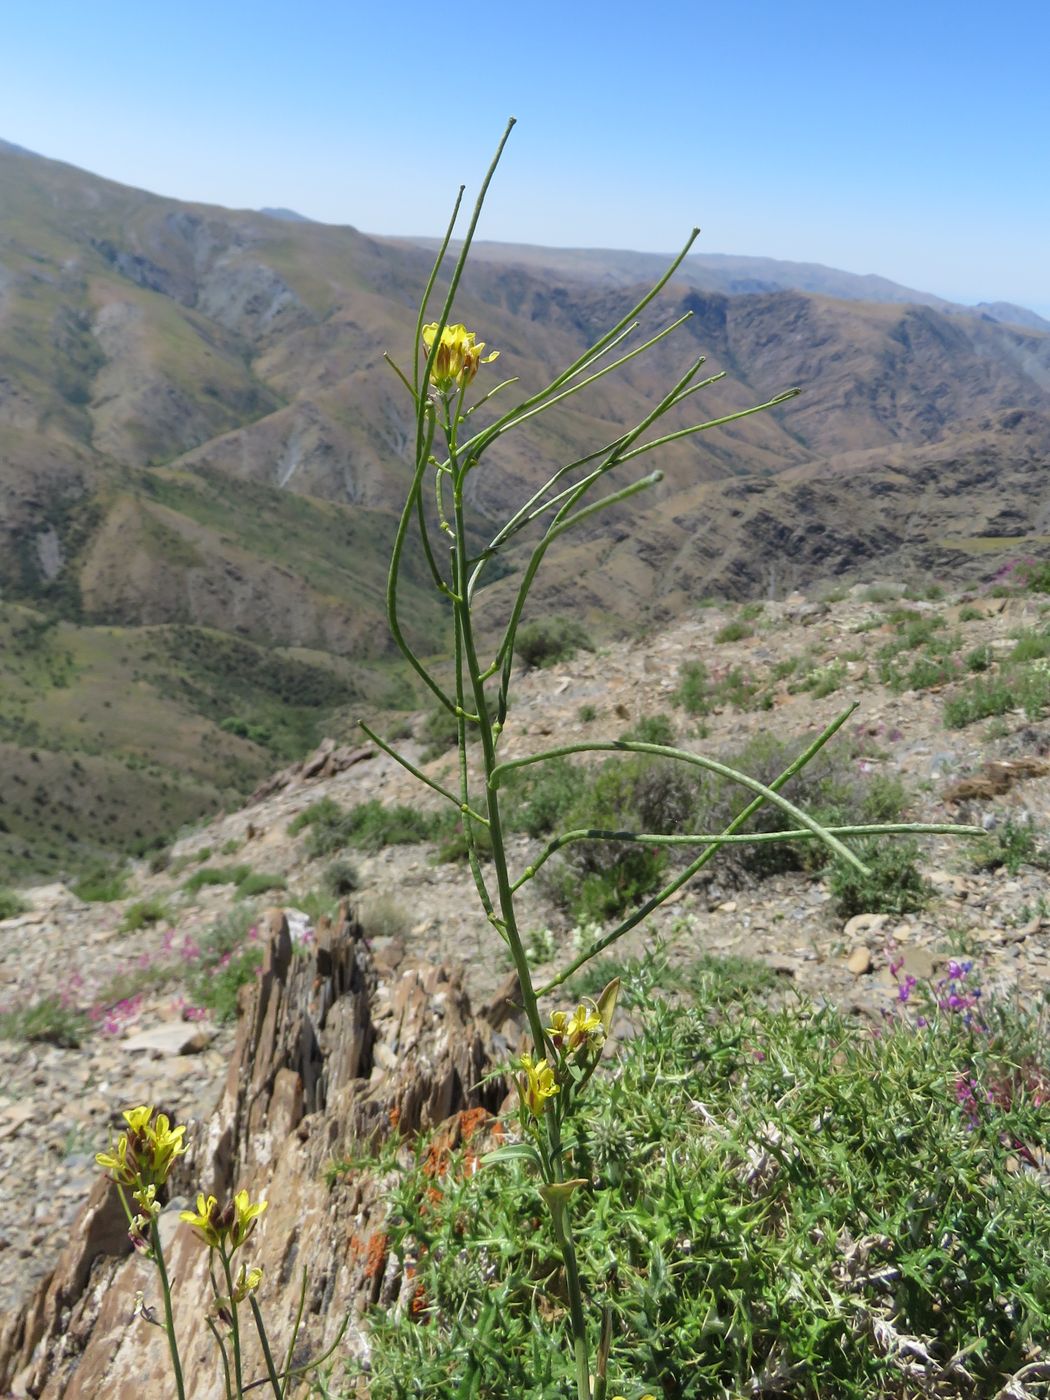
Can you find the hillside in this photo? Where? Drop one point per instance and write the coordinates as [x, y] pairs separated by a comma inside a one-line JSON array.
[[199, 440], [131, 996]]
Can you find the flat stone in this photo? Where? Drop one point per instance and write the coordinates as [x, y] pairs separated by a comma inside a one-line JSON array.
[[862, 924], [919, 962], [175, 1038], [859, 961]]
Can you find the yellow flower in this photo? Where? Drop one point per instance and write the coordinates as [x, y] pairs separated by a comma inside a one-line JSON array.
[[247, 1281], [145, 1154], [232, 1224], [457, 359], [207, 1220], [137, 1118], [536, 1085], [146, 1199], [584, 1027], [245, 1217]]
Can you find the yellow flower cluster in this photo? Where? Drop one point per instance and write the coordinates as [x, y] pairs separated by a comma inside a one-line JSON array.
[[143, 1157], [229, 1226], [457, 359], [536, 1085], [583, 1029]]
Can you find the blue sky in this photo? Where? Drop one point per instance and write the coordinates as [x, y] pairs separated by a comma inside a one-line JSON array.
[[908, 139]]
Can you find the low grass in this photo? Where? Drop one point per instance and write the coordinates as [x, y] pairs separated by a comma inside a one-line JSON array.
[[48, 1020], [769, 1193], [259, 882], [735, 631], [143, 913], [102, 884], [11, 904], [370, 826], [1025, 688], [216, 875]]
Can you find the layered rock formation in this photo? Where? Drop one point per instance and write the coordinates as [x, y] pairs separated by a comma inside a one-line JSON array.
[[336, 1051]]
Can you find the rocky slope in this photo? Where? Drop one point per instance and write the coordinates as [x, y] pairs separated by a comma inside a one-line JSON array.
[[318, 1103]]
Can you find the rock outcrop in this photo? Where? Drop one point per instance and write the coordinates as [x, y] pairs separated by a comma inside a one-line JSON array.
[[336, 1051]]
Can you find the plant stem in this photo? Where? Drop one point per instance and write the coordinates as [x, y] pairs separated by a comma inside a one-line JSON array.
[[271, 1369], [505, 890], [235, 1328], [169, 1320]]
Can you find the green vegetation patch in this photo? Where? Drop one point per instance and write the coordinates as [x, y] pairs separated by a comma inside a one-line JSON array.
[[549, 640], [768, 1193]]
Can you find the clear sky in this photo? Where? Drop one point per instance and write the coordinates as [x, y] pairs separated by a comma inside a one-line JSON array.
[[908, 137]]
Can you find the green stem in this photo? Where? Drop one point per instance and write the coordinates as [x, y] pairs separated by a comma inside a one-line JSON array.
[[416, 773], [700, 761], [235, 1326], [467, 656], [222, 1353], [271, 1369], [754, 838], [563, 1232], [465, 634], [287, 1370], [169, 1320]]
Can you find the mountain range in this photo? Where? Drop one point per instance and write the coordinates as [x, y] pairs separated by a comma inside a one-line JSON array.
[[202, 453]]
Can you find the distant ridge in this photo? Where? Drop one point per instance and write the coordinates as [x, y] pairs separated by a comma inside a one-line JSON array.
[[735, 275], [288, 215]]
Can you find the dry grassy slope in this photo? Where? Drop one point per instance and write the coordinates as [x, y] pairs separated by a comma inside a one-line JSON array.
[[956, 507], [197, 427], [145, 331]]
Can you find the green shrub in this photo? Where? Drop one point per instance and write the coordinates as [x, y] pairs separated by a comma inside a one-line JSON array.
[[1035, 575], [970, 614], [894, 884], [1031, 646], [216, 984], [832, 788], [383, 916], [102, 884], [228, 958], [1010, 845], [693, 689], [372, 827], [216, 875], [550, 640], [11, 904], [318, 813], [587, 714], [599, 879], [825, 680], [142, 913], [734, 631], [453, 844], [652, 729], [258, 882], [1024, 688], [880, 593], [341, 878], [537, 799], [979, 659]]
